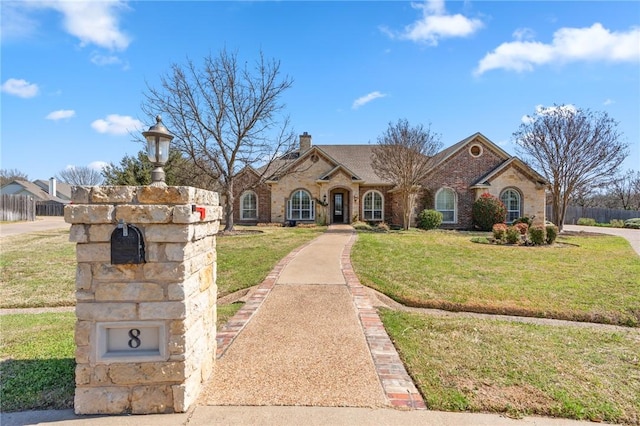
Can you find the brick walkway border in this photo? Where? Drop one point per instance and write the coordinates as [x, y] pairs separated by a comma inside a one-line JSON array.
[[396, 382]]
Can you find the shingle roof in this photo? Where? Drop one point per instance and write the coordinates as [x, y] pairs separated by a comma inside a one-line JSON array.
[[37, 191], [356, 158]]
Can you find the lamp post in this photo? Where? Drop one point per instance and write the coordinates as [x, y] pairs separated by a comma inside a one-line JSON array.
[[158, 139]]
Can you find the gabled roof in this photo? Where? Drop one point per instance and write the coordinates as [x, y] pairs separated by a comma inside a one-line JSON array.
[[63, 189], [512, 162], [36, 191], [446, 153]]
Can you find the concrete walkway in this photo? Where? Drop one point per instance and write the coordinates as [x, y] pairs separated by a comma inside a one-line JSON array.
[[42, 223]]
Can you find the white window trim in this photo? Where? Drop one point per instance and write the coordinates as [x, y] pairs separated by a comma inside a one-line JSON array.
[[312, 206], [242, 210], [514, 190], [455, 204], [372, 210]]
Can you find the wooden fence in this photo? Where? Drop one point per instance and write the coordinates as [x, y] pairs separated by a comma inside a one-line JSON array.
[[601, 215], [17, 207], [49, 209]]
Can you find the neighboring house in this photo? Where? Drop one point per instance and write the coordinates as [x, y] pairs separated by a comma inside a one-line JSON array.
[[44, 192], [337, 184]]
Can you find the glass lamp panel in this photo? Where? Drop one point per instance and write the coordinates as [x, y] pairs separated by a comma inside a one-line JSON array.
[[163, 154], [151, 148]]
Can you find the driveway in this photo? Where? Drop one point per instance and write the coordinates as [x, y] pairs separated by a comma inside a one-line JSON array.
[[631, 235], [42, 223]]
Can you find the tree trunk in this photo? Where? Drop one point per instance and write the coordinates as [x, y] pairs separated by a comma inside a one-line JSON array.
[[406, 206], [228, 208]]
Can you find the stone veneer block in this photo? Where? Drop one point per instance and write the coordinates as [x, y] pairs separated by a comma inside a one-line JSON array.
[[78, 234], [80, 194], [170, 195], [102, 400], [76, 213], [168, 233], [144, 214], [112, 194]]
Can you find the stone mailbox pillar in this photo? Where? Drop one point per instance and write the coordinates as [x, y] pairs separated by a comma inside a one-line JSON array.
[[146, 314]]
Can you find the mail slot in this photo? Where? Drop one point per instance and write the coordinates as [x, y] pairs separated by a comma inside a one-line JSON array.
[[127, 245]]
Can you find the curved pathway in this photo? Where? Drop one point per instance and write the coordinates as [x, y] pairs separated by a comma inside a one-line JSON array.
[[631, 235]]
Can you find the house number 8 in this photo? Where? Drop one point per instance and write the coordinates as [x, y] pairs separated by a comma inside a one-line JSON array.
[[134, 342]]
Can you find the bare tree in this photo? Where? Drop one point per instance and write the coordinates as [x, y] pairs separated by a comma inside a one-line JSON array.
[[225, 116], [8, 175], [403, 156], [85, 176], [626, 190], [574, 148]]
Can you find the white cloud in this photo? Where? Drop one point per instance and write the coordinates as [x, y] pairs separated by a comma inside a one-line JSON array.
[[60, 114], [102, 60], [524, 34], [594, 43], [16, 23], [436, 24], [92, 22], [609, 102], [542, 110], [98, 165], [366, 99], [20, 88], [115, 124]]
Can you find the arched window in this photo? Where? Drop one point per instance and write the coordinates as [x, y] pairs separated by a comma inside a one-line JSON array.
[[301, 206], [249, 206], [511, 200], [447, 205], [373, 206]]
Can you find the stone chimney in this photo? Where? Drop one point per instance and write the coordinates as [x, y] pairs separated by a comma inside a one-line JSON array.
[[52, 187], [305, 142]]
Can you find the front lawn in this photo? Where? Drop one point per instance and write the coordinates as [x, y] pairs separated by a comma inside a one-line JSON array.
[[589, 278], [463, 364]]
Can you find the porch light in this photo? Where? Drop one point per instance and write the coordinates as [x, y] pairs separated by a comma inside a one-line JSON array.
[[158, 139]]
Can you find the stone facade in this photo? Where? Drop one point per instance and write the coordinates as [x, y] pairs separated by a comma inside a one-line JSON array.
[[172, 292]]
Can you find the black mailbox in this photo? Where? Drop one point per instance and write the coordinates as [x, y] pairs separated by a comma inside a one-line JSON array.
[[127, 245]]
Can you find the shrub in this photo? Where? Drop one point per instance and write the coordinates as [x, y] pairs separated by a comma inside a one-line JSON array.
[[632, 223], [617, 223], [429, 219], [586, 221], [522, 227], [537, 235], [361, 226], [487, 211], [513, 235], [499, 231], [524, 219], [552, 234], [382, 227]]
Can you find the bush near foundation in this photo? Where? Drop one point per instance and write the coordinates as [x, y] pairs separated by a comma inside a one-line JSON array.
[[429, 219], [522, 227], [552, 234], [537, 235], [487, 211], [499, 231], [513, 235]]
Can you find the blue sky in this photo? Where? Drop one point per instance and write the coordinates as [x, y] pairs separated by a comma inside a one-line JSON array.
[[73, 73]]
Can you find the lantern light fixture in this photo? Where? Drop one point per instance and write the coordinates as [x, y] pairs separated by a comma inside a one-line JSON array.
[[158, 139]]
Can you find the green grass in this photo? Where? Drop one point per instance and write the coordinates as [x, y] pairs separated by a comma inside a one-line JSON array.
[[37, 269], [462, 364], [225, 312], [592, 278], [244, 260], [37, 361]]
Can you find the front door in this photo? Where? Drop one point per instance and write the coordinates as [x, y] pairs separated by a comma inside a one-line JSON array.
[[338, 208]]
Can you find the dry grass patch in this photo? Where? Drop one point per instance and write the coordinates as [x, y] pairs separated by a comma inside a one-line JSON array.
[[462, 364], [587, 279], [37, 269]]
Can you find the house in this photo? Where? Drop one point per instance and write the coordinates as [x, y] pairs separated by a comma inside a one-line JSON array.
[[337, 184], [50, 196]]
